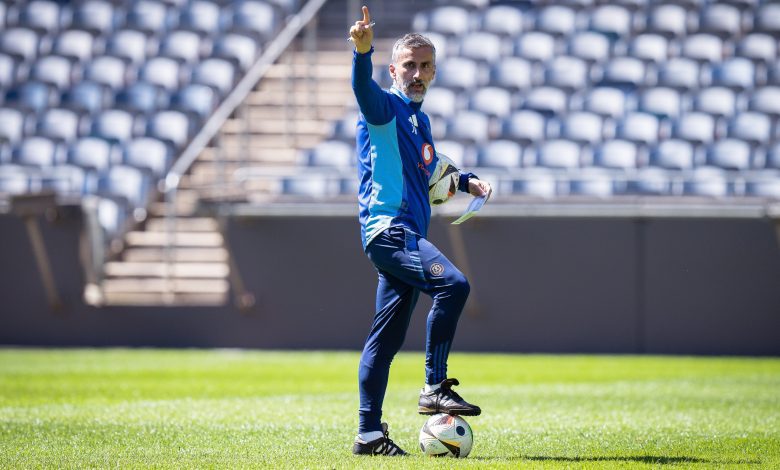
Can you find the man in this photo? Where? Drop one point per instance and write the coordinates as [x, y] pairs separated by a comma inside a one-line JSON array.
[[396, 155]]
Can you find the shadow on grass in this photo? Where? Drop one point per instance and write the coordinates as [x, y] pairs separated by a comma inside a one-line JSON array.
[[648, 459]]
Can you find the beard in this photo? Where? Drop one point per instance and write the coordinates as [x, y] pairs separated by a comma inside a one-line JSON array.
[[415, 95]]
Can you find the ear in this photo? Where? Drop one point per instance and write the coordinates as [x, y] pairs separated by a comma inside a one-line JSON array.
[[391, 67]]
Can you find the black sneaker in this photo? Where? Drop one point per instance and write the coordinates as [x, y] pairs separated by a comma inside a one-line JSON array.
[[381, 446], [446, 400]]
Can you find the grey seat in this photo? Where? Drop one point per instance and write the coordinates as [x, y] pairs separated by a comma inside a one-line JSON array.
[[482, 46], [60, 124], [589, 46], [557, 20], [627, 73], [468, 127], [546, 100], [76, 45], [606, 101], [87, 97], [458, 73], [196, 99], [107, 70], [37, 151], [567, 73], [616, 154], [493, 101], [737, 73], [20, 43], [718, 101], [217, 73], [448, 20], [673, 154], [649, 47], [524, 126], [255, 18], [708, 182], [668, 20], [147, 153], [92, 153], [638, 127], [535, 46], [171, 126], [758, 47], [114, 125], [731, 154], [129, 45], [558, 153], [129, 183], [703, 47], [679, 72], [753, 127], [535, 182], [766, 100], [661, 101], [583, 127], [502, 19], [148, 16], [201, 16], [513, 73], [41, 15], [95, 16], [52, 70], [613, 21], [695, 127], [767, 19], [721, 19], [162, 72], [12, 125], [332, 154], [241, 50], [182, 45], [500, 154]]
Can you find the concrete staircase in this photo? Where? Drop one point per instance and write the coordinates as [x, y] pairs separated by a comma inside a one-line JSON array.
[[292, 109]]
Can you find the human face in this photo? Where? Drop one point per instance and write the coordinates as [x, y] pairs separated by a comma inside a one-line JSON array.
[[413, 72]]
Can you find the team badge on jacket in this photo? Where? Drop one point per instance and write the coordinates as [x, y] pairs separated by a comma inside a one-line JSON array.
[[427, 153]]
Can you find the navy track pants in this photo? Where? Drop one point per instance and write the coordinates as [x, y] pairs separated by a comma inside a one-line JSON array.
[[407, 265]]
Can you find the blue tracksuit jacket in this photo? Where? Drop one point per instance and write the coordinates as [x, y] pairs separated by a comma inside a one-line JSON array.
[[396, 156]]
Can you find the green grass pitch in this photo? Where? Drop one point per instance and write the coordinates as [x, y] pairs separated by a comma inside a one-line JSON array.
[[121, 408]]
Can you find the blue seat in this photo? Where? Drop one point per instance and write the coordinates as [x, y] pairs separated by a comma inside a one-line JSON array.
[[589, 46], [661, 101], [557, 20], [764, 186], [439, 102], [182, 45], [333, 154], [15, 180], [12, 125], [638, 127], [673, 154], [68, 180], [535, 46], [460, 153], [41, 15], [170, 126], [31, 96], [773, 157], [721, 19], [481, 46], [162, 72], [650, 181], [20, 43], [535, 182], [148, 16], [458, 73], [114, 125], [583, 127], [7, 71], [649, 47], [448, 20], [127, 182], [141, 97], [524, 126], [92, 153], [256, 18], [753, 127], [767, 19], [239, 49], [198, 100], [731, 154], [217, 73], [708, 182], [718, 101], [502, 19], [60, 124], [679, 72], [310, 186], [201, 16], [668, 20], [107, 70], [558, 153], [87, 97], [616, 153], [468, 127], [766, 100], [500, 154], [703, 48], [76, 45], [737, 73], [513, 73], [626, 73], [758, 47], [129, 45], [346, 128], [52, 70], [493, 101], [593, 182], [546, 100], [37, 151], [147, 153], [95, 16], [695, 127], [567, 73], [605, 101], [112, 215], [614, 21]]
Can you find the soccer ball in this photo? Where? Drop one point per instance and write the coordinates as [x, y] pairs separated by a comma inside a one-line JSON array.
[[444, 435], [443, 182]]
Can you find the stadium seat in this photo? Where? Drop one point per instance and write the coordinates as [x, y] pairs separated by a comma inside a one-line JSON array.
[[162, 72], [583, 127], [52, 70], [535, 46], [650, 181], [7, 71], [502, 19], [757, 47], [20, 43], [593, 182], [140, 98], [447, 20], [731, 154], [239, 49], [661, 101], [721, 19], [444, 46], [76, 45], [767, 19], [114, 125], [500, 154], [557, 20], [184, 46], [493, 101], [68, 180], [680, 73], [41, 15], [614, 21], [198, 100], [766, 100], [718, 101], [649, 47], [606, 101], [129, 45], [703, 48], [546, 100], [346, 128], [147, 153], [673, 154], [695, 127], [217, 73], [37, 151], [638, 127], [558, 153], [524, 126], [468, 127], [765, 186], [461, 154], [736, 73], [331, 153], [170, 126], [310, 186], [669, 20], [92, 153], [12, 125], [98, 17], [439, 102], [589, 46], [752, 127], [86, 96], [626, 73], [200, 16], [707, 181], [535, 182], [616, 154], [148, 16], [481, 46], [60, 124], [31, 96], [16, 179], [458, 73], [256, 18], [107, 70], [112, 215], [127, 182], [567, 73], [773, 157], [513, 73]]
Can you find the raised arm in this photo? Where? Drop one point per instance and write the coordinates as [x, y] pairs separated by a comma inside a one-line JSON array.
[[373, 102]]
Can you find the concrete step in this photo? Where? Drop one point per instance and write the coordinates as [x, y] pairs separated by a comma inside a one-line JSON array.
[[178, 254], [279, 125], [275, 98], [179, 239], [162, 286], [301, 70], [159, 269], [144, 299], [185, 224]]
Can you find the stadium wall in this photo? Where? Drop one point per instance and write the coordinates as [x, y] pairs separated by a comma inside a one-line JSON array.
[[539, 284]]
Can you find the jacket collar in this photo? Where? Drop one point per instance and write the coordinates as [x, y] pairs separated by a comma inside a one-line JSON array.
[[406, 99]]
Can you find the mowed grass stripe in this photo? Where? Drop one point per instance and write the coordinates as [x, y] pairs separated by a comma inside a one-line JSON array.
[[270, 409]]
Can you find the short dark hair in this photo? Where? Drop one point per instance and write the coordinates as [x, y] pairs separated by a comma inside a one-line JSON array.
[[412, 41]]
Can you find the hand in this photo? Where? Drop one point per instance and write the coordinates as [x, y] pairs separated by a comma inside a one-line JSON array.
[[362, 33], [479, 188]]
